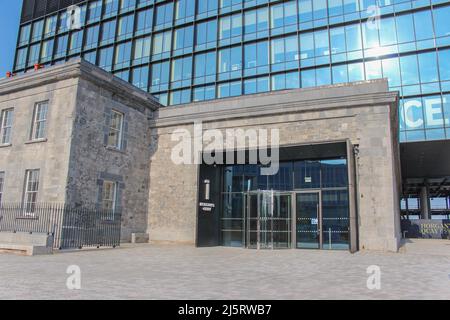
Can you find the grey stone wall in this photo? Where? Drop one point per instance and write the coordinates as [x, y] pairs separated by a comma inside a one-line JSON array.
[[51, 155], [363, 113], [173, 193], [91, 161]]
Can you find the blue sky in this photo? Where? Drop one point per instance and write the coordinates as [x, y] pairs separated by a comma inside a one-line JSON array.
[[9, 26]]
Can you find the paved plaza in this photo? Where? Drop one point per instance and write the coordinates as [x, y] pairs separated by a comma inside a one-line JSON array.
[[184, 272]]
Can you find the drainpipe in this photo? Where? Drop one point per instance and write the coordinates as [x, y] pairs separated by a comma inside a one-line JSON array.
[[352, 168], [357, 198]]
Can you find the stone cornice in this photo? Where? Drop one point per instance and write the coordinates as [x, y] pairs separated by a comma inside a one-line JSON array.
[[232, 109], [78, 69]]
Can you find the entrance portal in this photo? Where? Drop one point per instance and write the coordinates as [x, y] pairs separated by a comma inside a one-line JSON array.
[[304, 205]]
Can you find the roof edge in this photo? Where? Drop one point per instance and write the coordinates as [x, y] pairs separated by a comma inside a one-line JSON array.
[[78, 68]]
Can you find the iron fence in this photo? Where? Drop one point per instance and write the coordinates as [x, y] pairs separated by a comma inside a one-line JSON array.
[[70, 226]]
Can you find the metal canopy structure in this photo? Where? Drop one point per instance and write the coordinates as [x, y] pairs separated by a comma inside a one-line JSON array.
[[426, 164]]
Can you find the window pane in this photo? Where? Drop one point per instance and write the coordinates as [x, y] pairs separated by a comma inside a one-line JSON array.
[[292, 80], [323, 76], [409, 70], [142, 48], [370, 36], [144, 21], [105, 58], [50, 26], [353, 37], [428, 67], [123, 55], [373, 70], [250, 22], [91, 37], [444, 64], [446, 107], [24, 34], [432, 107], [355, 72], [37, 30], [110, 8], [391, 70], [115, 130], [405, 28], [125, 28], [338, 43], [305, 10], [320, 9], [423, 25], [31, 190], [335, 7], [308, 78], [340, 74], [321, 43], [108, 32], [387, 32], [441, 21], [413, 114], [94, 11], [140, 77]]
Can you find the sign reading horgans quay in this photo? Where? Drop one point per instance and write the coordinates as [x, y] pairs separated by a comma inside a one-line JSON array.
[[427, 229]]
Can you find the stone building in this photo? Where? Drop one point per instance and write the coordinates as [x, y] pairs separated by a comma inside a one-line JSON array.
[[74, 133], [347, 131]]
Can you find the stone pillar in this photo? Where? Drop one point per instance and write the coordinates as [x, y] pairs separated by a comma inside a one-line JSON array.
[[424, 203]]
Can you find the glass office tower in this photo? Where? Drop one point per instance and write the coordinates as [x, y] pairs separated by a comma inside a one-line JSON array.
[[192, 50]]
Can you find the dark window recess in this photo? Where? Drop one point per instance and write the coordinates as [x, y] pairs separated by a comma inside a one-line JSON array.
[[39, 8], [33, 9], [27, 10], [65, 3], [52, 6]]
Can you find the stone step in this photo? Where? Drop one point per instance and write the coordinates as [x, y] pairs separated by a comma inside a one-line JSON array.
[[26, 243], [426, 246]]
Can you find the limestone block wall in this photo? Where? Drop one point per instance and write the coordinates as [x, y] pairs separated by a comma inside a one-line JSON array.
[[378, 180], [50, 155], [173, 193], [91, 161]]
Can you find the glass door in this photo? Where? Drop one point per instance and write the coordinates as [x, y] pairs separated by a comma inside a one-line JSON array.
[[252, 221], [268, 220], [265, 220], [282, 221], [308, 220]]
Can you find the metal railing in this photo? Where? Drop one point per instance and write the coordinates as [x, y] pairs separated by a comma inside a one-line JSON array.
[[70, 226]]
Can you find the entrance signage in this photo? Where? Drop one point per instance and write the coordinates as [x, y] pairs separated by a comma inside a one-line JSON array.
[[207, 207], [426, 229]]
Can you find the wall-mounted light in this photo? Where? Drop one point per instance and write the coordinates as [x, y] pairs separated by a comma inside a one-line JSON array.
[[207, 184]]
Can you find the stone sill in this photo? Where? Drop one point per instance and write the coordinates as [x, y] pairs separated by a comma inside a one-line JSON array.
[[109, 148], [36, 141], [6, 145], [27, 217]]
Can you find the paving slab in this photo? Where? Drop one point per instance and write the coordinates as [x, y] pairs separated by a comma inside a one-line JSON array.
[[148, 271]]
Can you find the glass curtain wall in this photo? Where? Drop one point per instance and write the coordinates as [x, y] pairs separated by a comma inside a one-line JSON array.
[[257, 45]]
